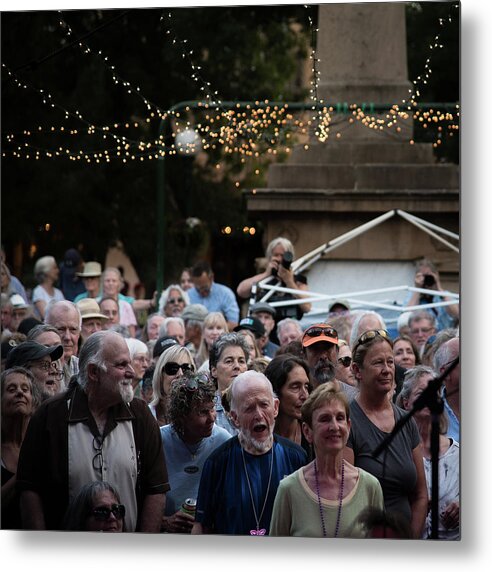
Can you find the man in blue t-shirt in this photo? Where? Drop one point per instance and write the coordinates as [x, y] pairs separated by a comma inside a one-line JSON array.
[[240, 478], [215, 297]]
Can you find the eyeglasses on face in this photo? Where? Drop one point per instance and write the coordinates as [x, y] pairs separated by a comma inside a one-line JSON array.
[[370, 335], [175, 300], [172, 368], [44, 365], [317, 331], [345, 361], [104, 512], [415, 331]]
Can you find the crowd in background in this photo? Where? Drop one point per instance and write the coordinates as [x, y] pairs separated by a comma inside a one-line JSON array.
[[229, 416]]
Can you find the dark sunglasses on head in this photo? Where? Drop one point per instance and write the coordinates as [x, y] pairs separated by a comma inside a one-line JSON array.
[[370, 335], [195, 381], [175, 300], [104, 512], [345, 361], [172, 368], [318, 331]]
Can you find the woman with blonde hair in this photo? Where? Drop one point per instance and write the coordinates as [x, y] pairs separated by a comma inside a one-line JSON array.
[[46, 272], [214, 325], [172, 363]]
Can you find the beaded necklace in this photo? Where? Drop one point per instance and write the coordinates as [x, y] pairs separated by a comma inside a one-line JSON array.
[[258, 531], [340, 499]]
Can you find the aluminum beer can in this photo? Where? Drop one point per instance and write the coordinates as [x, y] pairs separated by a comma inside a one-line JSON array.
[[189, 507]]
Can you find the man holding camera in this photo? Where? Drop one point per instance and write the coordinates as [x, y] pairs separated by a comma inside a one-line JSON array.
[[279, 255], [427, 276]]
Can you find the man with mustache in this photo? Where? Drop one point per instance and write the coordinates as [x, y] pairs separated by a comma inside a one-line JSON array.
[[240, 478], [320, 344], [94, 431]]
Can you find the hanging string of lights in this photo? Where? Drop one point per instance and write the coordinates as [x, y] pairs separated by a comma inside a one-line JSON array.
[[249, 132]]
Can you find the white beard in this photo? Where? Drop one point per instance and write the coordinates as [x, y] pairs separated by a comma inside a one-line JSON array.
[[248, 441], [126, 392]]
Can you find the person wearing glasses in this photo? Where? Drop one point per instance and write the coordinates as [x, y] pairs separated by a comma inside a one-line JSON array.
[[139, 354], [173, 301], [320, 345], [344, 370], [94, 431], [422, 326], [399, 468], [416, 381], [172, 363], [96, 508], [42, 362], [187, 441]]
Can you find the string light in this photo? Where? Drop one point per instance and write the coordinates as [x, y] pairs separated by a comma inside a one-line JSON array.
[[250, 133]]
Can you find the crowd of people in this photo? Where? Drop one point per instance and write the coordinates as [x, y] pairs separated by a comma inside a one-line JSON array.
[[184, 413]]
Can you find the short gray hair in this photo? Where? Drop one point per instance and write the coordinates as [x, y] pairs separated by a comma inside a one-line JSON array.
[[282, 241], [422, 315], [443, 354], [43, 266], [246, 376], [412, 375], [354, 335], [170, 320], [223, 342], [67, 304], [285, 322]]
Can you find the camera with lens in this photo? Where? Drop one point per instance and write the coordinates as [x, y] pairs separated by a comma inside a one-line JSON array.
[[429, 281], [287, 259]]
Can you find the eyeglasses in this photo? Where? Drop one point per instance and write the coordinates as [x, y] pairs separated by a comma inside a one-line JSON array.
[[44, 365], [175, 300], [416, 331], [370, 335], [97, 460], [317, 331], [345, 361], [172, 368], [104, 512]]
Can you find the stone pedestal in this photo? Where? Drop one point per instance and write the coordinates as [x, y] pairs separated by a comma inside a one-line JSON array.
[[333, 187]]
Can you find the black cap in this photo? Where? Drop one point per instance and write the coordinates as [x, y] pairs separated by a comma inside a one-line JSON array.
[[162, 344], [252, 324], [27, 325], [29, 351], [263, 307]]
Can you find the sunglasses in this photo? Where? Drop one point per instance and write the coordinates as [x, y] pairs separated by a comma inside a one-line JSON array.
[[172, 368], [317, 331], [345, 361], [104, 512], [175, 300], [370, 335]]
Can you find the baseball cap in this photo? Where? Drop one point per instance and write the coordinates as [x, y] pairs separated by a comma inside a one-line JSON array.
[[162, 344], [262, 307], [319, 333], [30, 351], [196, 312], [253, 324], [344, 303], [18, 302]]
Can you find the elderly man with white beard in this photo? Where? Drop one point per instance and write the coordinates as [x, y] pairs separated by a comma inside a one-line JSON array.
[[320, 344], [94, 431], [240, 478]]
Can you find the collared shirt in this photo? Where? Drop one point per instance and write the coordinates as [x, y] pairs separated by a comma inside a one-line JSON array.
[[454, 422], [44, 461], [220, 299]]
